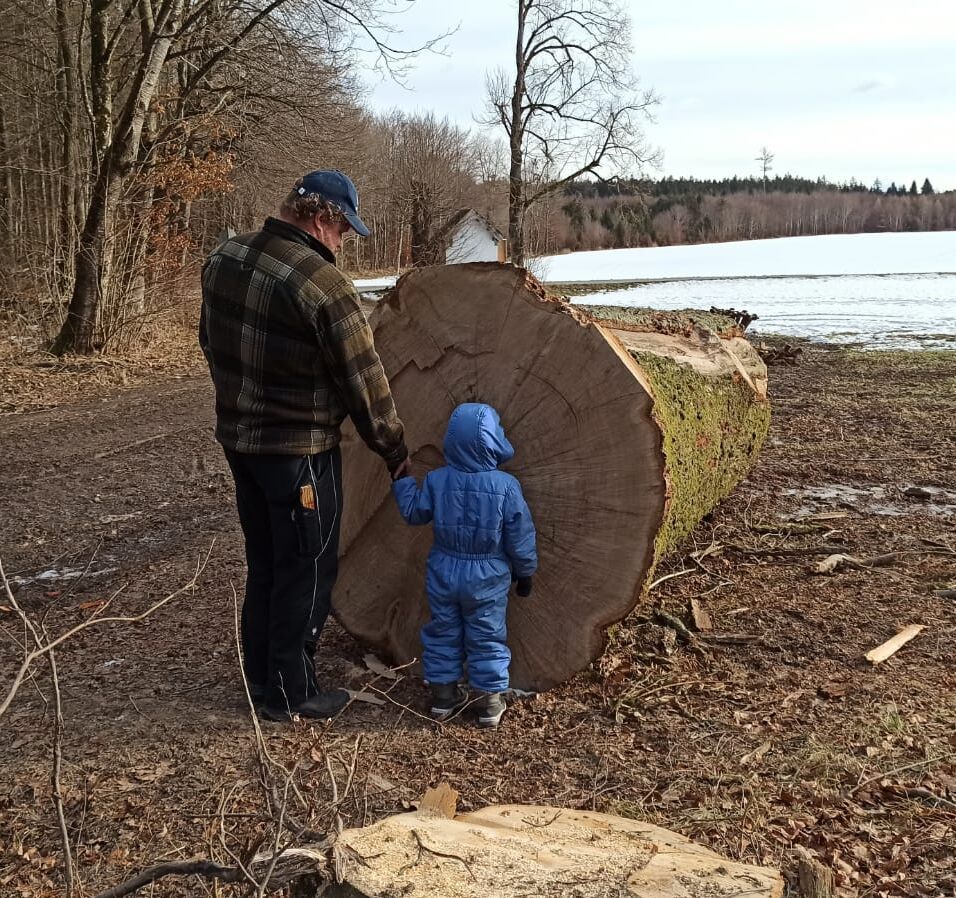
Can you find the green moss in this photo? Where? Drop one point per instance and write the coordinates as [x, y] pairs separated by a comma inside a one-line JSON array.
[[679, 321], [591, 288], [712, 431]]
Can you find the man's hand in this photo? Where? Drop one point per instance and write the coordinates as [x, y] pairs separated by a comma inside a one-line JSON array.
[[524, 587], [403, 470]]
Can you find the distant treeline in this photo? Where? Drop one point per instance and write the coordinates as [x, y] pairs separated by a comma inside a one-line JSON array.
[[599, 215], [671, 186]]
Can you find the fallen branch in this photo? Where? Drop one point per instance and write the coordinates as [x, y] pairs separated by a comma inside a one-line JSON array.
[[791, 527], [832, 563], [678, 626], [892, 646], [786, 550], [203, 868], [946, 757], [921, 794], [741, 317]]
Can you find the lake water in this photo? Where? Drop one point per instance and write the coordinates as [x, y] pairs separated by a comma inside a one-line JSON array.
[[903, 311]]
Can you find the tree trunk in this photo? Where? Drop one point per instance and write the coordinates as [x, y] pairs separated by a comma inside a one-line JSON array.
[[627, 433], [76, 334], [516, 204], [115, 152]]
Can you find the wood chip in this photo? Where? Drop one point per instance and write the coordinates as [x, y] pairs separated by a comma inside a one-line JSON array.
[[892, 646], [441, 801], [700, 615]]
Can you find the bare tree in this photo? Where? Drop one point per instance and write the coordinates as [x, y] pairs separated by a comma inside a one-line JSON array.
[[572, 107], [766, 165], [152, 65]]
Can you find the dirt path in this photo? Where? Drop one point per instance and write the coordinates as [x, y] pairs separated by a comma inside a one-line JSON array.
[[783, 738]]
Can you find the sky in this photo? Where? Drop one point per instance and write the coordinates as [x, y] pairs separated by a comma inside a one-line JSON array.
[[842, 89]]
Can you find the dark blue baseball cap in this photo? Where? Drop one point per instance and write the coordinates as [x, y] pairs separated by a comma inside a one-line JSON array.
[[338, 189]]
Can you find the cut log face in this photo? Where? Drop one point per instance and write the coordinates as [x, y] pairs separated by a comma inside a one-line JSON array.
[[589, 453]]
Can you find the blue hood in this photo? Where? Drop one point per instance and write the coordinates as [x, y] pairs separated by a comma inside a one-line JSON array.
[[475, 440]]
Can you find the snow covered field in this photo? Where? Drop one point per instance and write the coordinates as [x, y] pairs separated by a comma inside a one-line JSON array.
[[877, 311], [877, 290], [909, 253]]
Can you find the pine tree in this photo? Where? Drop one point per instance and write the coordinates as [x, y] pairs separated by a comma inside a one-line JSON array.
[[927, 188], [891, 190], [913, 190]]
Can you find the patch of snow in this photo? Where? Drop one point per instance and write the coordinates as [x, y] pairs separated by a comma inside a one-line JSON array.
[[374, 284]]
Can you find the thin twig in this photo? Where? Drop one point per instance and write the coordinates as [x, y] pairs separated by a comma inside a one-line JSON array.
[[454, 857], [902, 769], [55, 777], [667, 577]]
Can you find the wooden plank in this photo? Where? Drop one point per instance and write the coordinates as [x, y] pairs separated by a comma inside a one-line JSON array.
[[892, 646]]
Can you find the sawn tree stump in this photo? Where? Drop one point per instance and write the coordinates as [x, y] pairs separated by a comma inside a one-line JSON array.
[[629, 426]]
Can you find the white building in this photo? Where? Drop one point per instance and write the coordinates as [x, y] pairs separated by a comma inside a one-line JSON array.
[[470, 237]]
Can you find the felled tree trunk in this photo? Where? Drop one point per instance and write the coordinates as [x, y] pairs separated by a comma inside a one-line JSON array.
[[628, 426]]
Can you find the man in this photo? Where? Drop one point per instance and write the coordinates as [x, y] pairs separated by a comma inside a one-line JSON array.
[[291, 355]]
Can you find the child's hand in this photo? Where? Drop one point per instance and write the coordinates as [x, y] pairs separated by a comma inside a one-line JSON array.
[[525, 585]]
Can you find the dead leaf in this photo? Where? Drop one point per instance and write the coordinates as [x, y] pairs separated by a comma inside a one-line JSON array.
[[360, 695], [671, 794], [756, 754], [379, 784], [95, 605], [378, 668], [834, 688], [149, 774]]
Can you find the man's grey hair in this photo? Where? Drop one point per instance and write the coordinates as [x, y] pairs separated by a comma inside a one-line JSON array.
[[303, 206]]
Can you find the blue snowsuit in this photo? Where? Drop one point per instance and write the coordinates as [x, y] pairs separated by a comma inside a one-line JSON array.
[[483, 533]]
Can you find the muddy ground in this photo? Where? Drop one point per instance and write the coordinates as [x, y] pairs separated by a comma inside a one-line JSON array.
[[779, 735]]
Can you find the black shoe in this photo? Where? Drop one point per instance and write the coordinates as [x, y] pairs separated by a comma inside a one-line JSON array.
[[321, 706], [447, 699], [490, 707]]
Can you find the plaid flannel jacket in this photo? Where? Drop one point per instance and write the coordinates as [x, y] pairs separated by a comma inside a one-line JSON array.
[[290, 350]]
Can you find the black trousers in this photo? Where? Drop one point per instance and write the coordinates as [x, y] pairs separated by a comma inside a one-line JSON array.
[[292, 557]]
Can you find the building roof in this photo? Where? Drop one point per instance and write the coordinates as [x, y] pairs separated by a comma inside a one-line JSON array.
[[450, 226]]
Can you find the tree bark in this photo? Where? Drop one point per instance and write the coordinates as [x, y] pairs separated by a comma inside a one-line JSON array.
[[629, 427], [68, 90]]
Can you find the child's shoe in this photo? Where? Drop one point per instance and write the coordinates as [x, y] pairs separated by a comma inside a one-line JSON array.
[[490, 707], [447, 699]]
